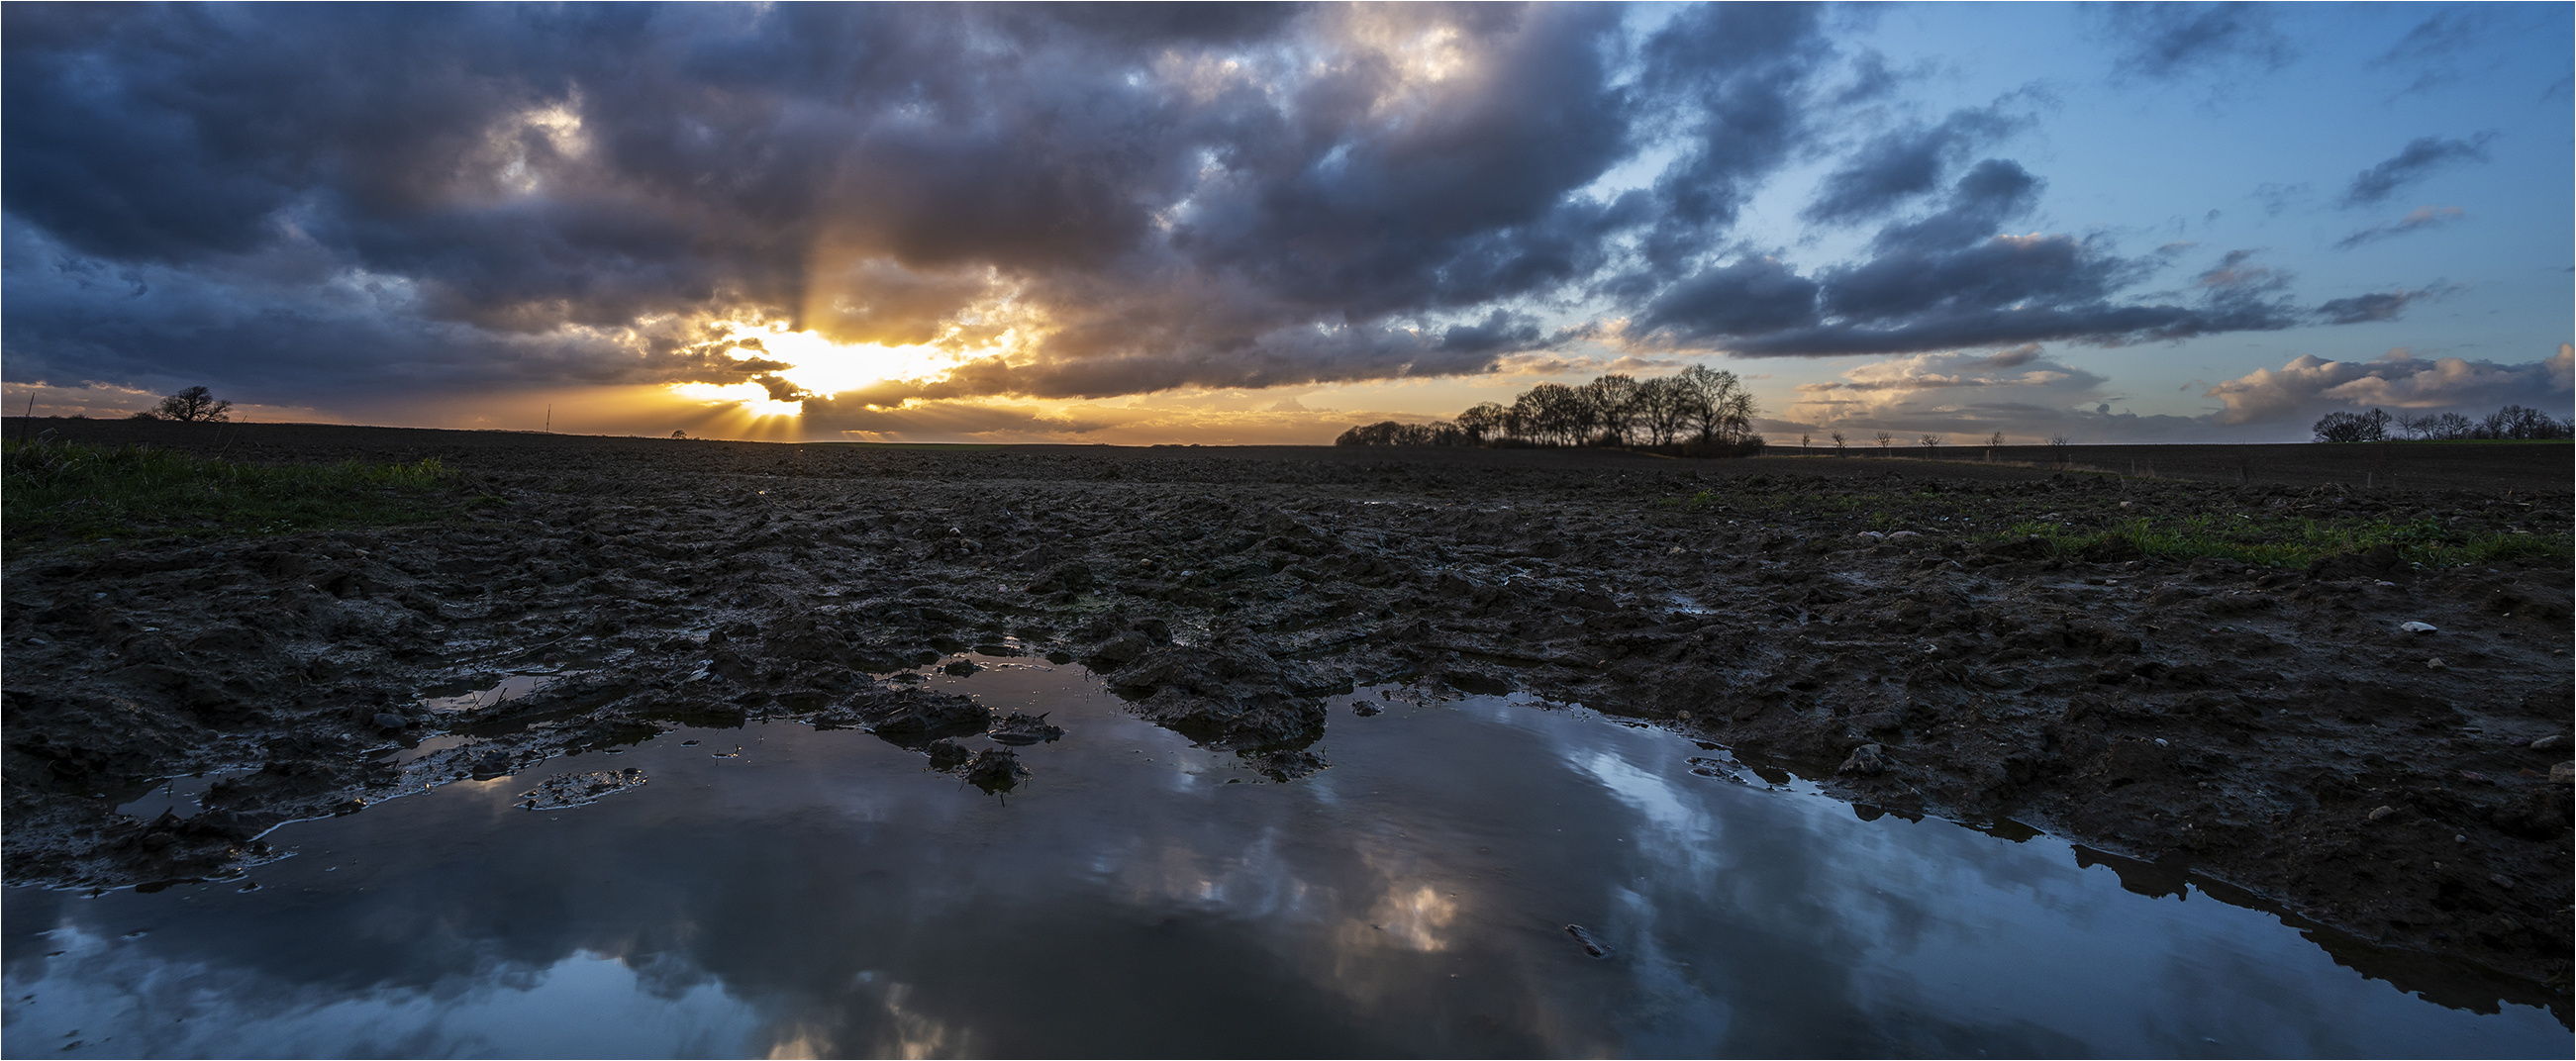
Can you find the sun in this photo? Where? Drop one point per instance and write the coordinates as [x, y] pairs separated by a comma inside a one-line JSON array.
[[817, 365], [751, 397]]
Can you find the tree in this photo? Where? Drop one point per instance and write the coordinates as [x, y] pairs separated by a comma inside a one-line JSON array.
[[2057, 448], [1483, 421], [1611, 405], [1663, 408], [1716, 403], [194, 406], [1931, 443], [1841, 444], [1806, 441], [1551, 412], [1885, 440], [2415, 425], [2371, 426], [680, 434]]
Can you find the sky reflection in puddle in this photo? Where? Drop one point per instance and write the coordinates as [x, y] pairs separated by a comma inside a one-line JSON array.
[[821, 893]]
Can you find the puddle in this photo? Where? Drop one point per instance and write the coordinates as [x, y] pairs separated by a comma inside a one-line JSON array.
[[183, 796], [1471, 877], [509, 688]]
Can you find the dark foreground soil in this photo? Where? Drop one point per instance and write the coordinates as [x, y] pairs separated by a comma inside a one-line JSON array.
[[2271, 734]]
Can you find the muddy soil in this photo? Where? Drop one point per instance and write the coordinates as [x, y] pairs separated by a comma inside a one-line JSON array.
[[2277, 730]]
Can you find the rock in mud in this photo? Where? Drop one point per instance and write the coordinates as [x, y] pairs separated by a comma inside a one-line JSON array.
[[1022, 729], [1286, 765], [1866, 760], [914, 715], [575, 790], [1230, 694], [947, 754], [995, 770], [1583, 938]]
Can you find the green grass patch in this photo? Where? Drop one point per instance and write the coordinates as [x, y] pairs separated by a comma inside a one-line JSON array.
[[62, 493], [2295, 542]]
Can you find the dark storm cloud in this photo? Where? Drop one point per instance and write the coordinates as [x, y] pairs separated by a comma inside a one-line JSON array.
[[1902, 163], [2416, 161], [315, 203], [1952, 279], [2165, 41]]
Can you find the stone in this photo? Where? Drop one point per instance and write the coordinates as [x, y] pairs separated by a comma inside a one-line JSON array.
[[2418, 627], [1021, 728], [2550, 743], [995, 770], [1119, 651], [947, 754], [2380, 813], [2563, 773], [1865, 760]]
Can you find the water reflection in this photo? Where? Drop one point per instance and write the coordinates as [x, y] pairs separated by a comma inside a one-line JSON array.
[[820, 893]]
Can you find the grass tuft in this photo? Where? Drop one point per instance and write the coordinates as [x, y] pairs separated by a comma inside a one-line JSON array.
[[58, 493]]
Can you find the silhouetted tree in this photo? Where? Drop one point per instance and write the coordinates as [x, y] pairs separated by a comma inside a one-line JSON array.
[[1483, 422], [2353, 427], [1612, 402], [194, 405]]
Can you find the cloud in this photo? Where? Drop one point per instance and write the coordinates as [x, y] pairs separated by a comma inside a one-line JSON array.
[[1062, 203], [2379, 306], [2418, 160], [2433, 48], [1950, 279], [1902, 163], [2168, 41], [2022, 392], [2416, 220], [2310, 385]]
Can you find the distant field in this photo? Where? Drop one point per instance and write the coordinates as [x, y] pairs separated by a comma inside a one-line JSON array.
[[2482, 466]]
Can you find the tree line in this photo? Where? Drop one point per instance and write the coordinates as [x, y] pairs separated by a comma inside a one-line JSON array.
[[1697, 404], [2510, 422]]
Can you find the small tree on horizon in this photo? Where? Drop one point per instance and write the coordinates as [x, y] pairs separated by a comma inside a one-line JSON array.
[[195, 405], [1885, 440], [1841, 445], [1930, 444]]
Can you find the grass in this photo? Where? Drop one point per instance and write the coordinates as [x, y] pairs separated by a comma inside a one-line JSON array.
[[2258, 536], [2297, 542], [59, 493]]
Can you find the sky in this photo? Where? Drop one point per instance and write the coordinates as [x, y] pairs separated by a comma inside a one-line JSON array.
[[1198, 223]]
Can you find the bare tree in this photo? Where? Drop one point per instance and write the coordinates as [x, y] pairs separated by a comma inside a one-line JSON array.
[[2057, 448], [1612, 402], [1664, 407], [195, 406], [682, 433], [1931, 443], [1841, 445], [1885, 440], [1806, 441], [1483, 421]]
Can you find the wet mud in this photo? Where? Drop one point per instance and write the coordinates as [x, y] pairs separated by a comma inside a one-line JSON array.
[[2278, 730]]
